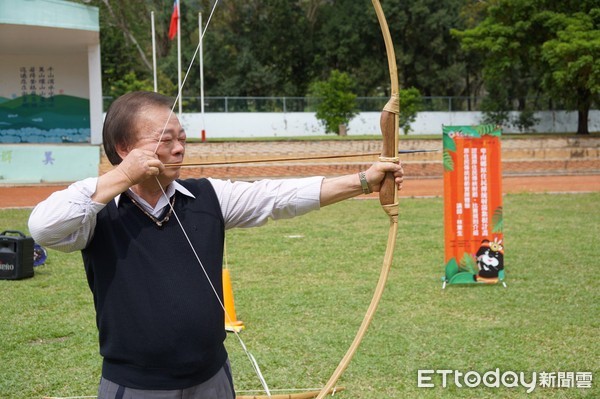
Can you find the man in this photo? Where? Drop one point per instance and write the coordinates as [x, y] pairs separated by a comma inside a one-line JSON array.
[[155, 280]]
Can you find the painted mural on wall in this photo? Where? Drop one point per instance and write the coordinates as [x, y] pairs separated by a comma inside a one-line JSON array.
[[37, 109]]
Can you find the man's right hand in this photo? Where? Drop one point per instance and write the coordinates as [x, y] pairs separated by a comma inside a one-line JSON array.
[[140, 165]]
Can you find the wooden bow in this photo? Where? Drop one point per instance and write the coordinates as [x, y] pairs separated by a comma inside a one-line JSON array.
[[388, 196], [302, 395]]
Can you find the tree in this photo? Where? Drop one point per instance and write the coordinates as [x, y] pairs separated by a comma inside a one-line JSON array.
[[508, 40], [126, 44], [410, 104], [519, 67], [573, 58], [349, 40], [337, 103], [430, 58], [258, 48], [276, 47]]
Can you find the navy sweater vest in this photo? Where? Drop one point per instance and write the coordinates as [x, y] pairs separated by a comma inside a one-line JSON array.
[[160, 324]]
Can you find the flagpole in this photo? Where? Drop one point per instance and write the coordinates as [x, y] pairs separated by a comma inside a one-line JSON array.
[[201, 78], [154, 52], [179, 56]]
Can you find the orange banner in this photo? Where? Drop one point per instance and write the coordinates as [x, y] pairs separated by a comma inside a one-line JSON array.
[[474, 252]]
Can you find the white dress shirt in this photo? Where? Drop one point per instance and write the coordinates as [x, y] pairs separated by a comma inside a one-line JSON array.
[[66, 220]]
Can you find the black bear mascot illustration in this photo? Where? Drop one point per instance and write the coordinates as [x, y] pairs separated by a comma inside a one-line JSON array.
[[490, 259]]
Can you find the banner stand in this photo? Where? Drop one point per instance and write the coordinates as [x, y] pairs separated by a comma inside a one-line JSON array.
[[473, 214]]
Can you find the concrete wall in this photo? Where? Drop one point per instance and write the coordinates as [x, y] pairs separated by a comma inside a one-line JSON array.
[[271, 124], [45, 163]]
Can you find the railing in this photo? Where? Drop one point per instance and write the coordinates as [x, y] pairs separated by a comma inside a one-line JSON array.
[[307, 104]]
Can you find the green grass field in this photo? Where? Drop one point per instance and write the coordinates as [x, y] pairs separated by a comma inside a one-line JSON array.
[[302, 286]]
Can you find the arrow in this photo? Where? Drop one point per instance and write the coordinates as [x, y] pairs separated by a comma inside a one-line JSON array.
[[287, 159]]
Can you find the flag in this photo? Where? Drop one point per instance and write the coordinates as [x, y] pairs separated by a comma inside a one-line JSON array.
[[174, 18]]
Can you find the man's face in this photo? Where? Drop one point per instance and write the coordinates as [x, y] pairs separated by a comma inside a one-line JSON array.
[[169, 145]]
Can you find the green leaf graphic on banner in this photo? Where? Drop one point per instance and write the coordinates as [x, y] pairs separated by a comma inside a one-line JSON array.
[[497, 220], [467, 264], [448, 162], [471, 131], [490, 130], [449, 143], [451, 268], [462, 278]]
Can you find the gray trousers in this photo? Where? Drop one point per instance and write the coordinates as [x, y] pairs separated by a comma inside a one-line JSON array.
[[220, 386]]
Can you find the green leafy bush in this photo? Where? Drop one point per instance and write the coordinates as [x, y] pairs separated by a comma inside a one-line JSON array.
[[337, 103]]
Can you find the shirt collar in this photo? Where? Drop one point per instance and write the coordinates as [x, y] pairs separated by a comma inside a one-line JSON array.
[[171, 188]]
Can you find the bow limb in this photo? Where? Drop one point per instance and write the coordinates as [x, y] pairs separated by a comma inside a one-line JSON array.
[[305, 395], [388, 197], [301, 395]]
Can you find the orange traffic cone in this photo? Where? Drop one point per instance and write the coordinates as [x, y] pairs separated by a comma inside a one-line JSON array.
[[231, 322]]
